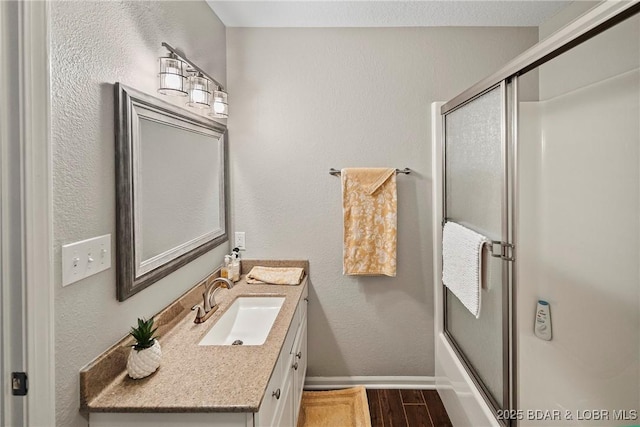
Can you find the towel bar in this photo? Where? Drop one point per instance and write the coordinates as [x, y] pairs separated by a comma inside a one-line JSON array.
[[336, 172], [506, 251]]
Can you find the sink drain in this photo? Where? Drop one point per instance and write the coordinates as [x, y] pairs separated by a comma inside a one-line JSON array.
[[237, 342]]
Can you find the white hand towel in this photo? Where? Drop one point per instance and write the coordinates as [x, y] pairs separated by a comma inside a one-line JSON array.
[[462, 264]]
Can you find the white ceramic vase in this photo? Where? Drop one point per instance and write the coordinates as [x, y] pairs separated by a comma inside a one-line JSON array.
[[144, 362]]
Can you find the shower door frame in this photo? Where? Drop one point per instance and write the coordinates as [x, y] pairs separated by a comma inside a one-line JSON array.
[[508, 95], [597, 20]]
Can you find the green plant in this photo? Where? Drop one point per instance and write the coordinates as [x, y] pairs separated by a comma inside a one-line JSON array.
[[143, 334]]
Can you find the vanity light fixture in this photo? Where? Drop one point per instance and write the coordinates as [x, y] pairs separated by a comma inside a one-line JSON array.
[[219, 108], [172, 76], [199, 91], [180, 76]]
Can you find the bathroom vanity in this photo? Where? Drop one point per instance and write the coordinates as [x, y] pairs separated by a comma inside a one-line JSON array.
[[208, 385]]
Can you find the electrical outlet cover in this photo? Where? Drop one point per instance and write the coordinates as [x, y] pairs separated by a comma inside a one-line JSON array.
[[239, 240]]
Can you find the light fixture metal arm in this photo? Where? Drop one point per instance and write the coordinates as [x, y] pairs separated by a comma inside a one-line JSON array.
[[192, 65]]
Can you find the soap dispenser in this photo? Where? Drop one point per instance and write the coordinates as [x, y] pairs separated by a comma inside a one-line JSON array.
[[235, 265], [225, 271]]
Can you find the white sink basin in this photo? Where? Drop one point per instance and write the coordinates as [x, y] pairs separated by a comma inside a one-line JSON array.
[[246, 322]]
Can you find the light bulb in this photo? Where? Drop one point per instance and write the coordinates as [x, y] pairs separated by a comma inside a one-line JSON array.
[[173, 81], [199, 96], [218, 107]]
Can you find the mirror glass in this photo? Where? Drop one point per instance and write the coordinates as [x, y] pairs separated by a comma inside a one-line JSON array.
[[171, 188]]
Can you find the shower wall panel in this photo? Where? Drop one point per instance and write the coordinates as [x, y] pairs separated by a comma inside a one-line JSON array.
[[579, 234]]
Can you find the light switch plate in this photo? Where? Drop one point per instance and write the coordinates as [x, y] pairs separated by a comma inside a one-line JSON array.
[[85, 258]]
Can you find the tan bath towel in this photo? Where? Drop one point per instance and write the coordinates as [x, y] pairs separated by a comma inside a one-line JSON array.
[[276, 275], [369, 203]]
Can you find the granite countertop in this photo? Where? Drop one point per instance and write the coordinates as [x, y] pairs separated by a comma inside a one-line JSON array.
[[194, 378]]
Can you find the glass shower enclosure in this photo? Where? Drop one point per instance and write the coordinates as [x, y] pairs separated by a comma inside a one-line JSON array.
[[543, 158], [475, 195]]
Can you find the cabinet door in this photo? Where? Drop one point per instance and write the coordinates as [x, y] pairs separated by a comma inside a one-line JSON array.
[[300, 373], [273, 395], [285, 417], [285, 380]]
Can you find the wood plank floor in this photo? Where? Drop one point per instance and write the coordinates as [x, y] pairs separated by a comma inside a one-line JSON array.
[[407, 408]]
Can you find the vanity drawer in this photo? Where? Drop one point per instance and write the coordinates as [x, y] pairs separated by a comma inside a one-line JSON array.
[[300, 313], [287, 347], [297, 343], [304, 303]]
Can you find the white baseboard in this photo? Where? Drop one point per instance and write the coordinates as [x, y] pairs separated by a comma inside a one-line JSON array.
[[327, 383]]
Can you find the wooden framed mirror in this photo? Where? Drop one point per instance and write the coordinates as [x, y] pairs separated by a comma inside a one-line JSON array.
[[171, 188]]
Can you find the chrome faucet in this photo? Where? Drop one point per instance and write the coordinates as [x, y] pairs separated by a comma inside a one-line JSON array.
[[209, 305], [210, 291]]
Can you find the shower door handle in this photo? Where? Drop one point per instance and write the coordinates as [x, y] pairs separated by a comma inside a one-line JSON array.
[[506, 251]]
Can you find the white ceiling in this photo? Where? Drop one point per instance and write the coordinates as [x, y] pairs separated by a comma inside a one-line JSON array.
[[373, 13]]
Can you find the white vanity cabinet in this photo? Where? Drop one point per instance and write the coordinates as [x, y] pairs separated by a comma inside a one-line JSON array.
[[281, 402], [280, 405]]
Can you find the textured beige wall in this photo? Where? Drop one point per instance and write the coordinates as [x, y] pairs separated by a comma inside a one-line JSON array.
[[306, 100], [93, 45]]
